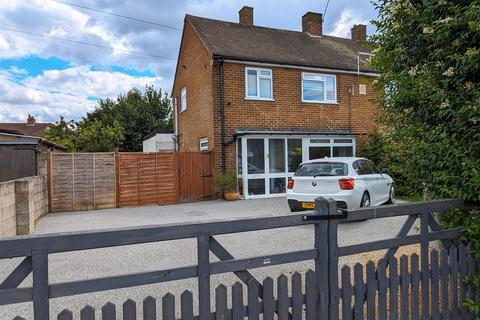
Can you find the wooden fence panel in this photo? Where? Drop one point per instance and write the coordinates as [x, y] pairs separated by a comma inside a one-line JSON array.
[[146, 178], [82, 181]]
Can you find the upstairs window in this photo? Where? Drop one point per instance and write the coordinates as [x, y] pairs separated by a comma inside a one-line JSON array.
[[183, 99], [258, 84], [320, 88]]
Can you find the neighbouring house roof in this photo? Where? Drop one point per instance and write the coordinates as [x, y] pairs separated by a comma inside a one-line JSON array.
[[247, 131], [260, 44], [8, 138], [35, 130]]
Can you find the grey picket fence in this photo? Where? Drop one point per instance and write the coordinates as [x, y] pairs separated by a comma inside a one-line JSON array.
[[425, 286]]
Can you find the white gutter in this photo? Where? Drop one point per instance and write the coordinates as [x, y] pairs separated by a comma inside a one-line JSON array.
[[264, 64]]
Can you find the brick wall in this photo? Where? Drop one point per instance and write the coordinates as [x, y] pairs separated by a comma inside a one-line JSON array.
[[8, 220], [194, 72], [200, 74], [351, 113], [22, 203]]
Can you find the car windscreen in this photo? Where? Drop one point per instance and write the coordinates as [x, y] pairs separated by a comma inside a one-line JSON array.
[[322, 169]]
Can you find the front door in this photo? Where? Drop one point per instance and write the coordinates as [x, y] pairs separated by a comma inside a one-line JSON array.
[[265, 166]]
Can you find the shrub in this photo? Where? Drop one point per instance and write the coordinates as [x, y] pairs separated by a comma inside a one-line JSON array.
[[226, 182]]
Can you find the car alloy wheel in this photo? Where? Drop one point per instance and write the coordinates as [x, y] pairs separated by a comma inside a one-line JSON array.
[[365, 201]]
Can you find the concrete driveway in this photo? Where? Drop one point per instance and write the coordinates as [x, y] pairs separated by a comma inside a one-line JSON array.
[[157, 256]]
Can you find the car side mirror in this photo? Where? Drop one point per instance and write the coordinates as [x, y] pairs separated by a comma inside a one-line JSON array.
[[384, 171]]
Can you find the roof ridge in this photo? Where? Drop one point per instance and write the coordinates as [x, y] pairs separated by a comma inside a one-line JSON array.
[[268, 28]]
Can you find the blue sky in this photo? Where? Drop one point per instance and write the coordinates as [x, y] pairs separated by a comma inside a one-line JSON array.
[[51, 78]]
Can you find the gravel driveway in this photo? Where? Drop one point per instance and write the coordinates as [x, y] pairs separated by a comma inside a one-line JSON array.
[[157, 256]]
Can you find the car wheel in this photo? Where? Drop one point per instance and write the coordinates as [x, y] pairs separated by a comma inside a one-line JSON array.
[[391, 196], [365, 203]]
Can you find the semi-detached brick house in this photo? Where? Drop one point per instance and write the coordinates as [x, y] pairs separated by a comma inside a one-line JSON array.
[[265, 99]]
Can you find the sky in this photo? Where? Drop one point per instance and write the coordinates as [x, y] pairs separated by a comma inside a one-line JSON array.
[[48, 78]]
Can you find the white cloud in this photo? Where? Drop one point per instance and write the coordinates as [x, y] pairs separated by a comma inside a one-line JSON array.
[[64, 92], [347, 19]]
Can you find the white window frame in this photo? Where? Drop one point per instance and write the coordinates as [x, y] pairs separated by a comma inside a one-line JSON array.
[[203, 141], [259, 76], [325, 101], [183, 102]]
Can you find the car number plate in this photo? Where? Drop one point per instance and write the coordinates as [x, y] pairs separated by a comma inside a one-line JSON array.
[[308, 205]]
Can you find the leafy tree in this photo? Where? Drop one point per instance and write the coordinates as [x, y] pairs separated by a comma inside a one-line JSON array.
[[96, 136], [428, 54], [139, 115], [63, 133], [116, 123]]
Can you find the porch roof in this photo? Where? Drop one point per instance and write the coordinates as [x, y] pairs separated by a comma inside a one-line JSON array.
[[266, 131]]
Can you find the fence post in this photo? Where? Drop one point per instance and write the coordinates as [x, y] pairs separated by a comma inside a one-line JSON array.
[[40, 294], [203, 255], [326, 263], [49, 180], [425, 270], [334, 291]]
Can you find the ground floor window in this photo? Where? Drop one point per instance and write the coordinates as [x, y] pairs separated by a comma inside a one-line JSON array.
[[265, 163]]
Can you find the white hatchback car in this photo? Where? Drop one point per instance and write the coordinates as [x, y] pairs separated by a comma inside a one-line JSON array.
[[352, 182]]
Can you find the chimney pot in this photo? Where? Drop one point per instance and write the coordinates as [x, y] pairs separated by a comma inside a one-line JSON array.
[[245, 16], [312, 23], [359, 32], [30, 121]]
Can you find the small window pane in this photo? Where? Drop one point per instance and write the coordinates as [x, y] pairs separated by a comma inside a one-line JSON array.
[[256, 186], [265, 88], [320, 141], [318, 152], [330, 89], [204, 145], [294, 154], [265, 73], [183, 99], [277, 185], [313, 91], [342, 140], [313, 76], [343, 151], [252, 83]]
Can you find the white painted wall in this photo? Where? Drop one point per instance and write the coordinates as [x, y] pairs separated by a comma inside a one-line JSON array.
[[159, 142]]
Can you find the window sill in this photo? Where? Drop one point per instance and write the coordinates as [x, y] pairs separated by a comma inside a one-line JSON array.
[[321, 102], [258, 99]]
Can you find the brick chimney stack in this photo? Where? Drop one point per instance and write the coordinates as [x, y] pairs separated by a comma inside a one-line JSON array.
[[245, 16], [30, 121], [312, 23], [359, 32]]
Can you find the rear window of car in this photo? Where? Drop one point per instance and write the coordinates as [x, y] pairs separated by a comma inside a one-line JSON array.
[[322, 169]]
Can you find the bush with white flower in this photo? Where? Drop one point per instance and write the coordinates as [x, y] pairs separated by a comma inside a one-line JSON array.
[[429, 51]]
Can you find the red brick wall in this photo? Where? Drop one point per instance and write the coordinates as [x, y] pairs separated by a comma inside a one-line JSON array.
[[287, 111], [200, 74], [194, 71]]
